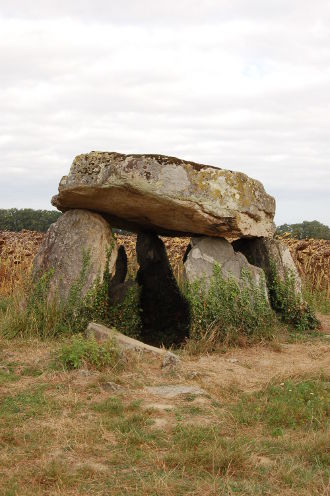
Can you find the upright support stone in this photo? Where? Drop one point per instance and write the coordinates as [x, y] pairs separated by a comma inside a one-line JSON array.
[[262, 251], [206, 252], [76, 232]]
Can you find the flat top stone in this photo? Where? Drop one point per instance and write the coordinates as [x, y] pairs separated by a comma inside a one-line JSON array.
[[168, 195]]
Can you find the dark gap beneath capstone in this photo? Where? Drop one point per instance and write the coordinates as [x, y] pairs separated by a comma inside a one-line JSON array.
[[164, 311]]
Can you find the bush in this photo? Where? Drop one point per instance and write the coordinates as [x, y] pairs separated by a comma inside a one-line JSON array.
[[288, 303], [79, 352], [228, 312]]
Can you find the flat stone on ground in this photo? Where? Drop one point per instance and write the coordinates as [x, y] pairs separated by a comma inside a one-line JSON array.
[[172, 391]]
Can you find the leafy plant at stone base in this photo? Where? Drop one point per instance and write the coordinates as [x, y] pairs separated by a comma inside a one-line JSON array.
[[227, 312], [288, 303], [33, 313], [80, 351], [124, 316]]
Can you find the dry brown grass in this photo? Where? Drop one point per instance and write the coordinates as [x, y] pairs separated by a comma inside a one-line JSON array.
[[312, 257], [17, 251], [63, 433]]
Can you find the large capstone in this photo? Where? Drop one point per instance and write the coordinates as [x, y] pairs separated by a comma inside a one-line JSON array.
[[67, 242], [167, 195]]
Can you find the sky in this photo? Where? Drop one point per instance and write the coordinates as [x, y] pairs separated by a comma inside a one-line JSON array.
[[239, 84]]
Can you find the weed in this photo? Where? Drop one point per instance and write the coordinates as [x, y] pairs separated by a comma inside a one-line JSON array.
[[125, 317], [80, 351], [317, 299], [31, 312], [288, 303], [227, 312]]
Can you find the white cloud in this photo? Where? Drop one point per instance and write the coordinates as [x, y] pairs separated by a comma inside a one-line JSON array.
[[242, 85]]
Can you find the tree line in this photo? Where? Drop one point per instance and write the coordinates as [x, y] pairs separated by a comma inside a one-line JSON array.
[[15, 219], [305, 230]]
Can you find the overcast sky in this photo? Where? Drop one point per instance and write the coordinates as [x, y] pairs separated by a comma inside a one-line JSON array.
[[239, 84]]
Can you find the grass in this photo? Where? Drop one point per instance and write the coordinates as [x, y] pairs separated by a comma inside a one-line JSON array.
[[61, 434], [79, 352], [318, 299], [291, 404]]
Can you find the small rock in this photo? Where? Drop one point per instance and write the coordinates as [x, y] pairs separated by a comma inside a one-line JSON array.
[[263, 461], [192, 374], [170, 361], [172, 391], [159, 406], [84, 373], [232, 360], [112, 387]]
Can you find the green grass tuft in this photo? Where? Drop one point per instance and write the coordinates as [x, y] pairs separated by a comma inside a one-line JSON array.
[[80, 351]]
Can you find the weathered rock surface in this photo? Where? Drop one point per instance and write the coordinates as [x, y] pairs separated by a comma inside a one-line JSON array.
[[101, 333], [261, 251], [205, 252], [75, 232], [174, 390], [167, 195]]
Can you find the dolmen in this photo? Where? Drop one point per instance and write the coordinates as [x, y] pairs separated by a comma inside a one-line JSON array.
[[228, 215]]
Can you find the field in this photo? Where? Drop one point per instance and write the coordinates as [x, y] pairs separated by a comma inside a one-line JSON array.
[[18, 249], [256, 422]]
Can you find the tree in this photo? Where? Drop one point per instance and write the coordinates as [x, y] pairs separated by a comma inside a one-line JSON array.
[[305, 230], [14, 219]]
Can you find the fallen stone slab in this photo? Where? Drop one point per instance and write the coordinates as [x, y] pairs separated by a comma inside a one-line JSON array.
[[63, 247], [172, 391], [102, 333], [168, 195]]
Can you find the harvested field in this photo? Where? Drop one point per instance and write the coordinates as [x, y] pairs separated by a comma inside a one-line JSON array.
[[17, 251], [312, 257]]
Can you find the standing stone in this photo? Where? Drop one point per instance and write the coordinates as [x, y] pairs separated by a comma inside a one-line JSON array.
[[75, 232], [261, 251], [167, 195], [205, 252]]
